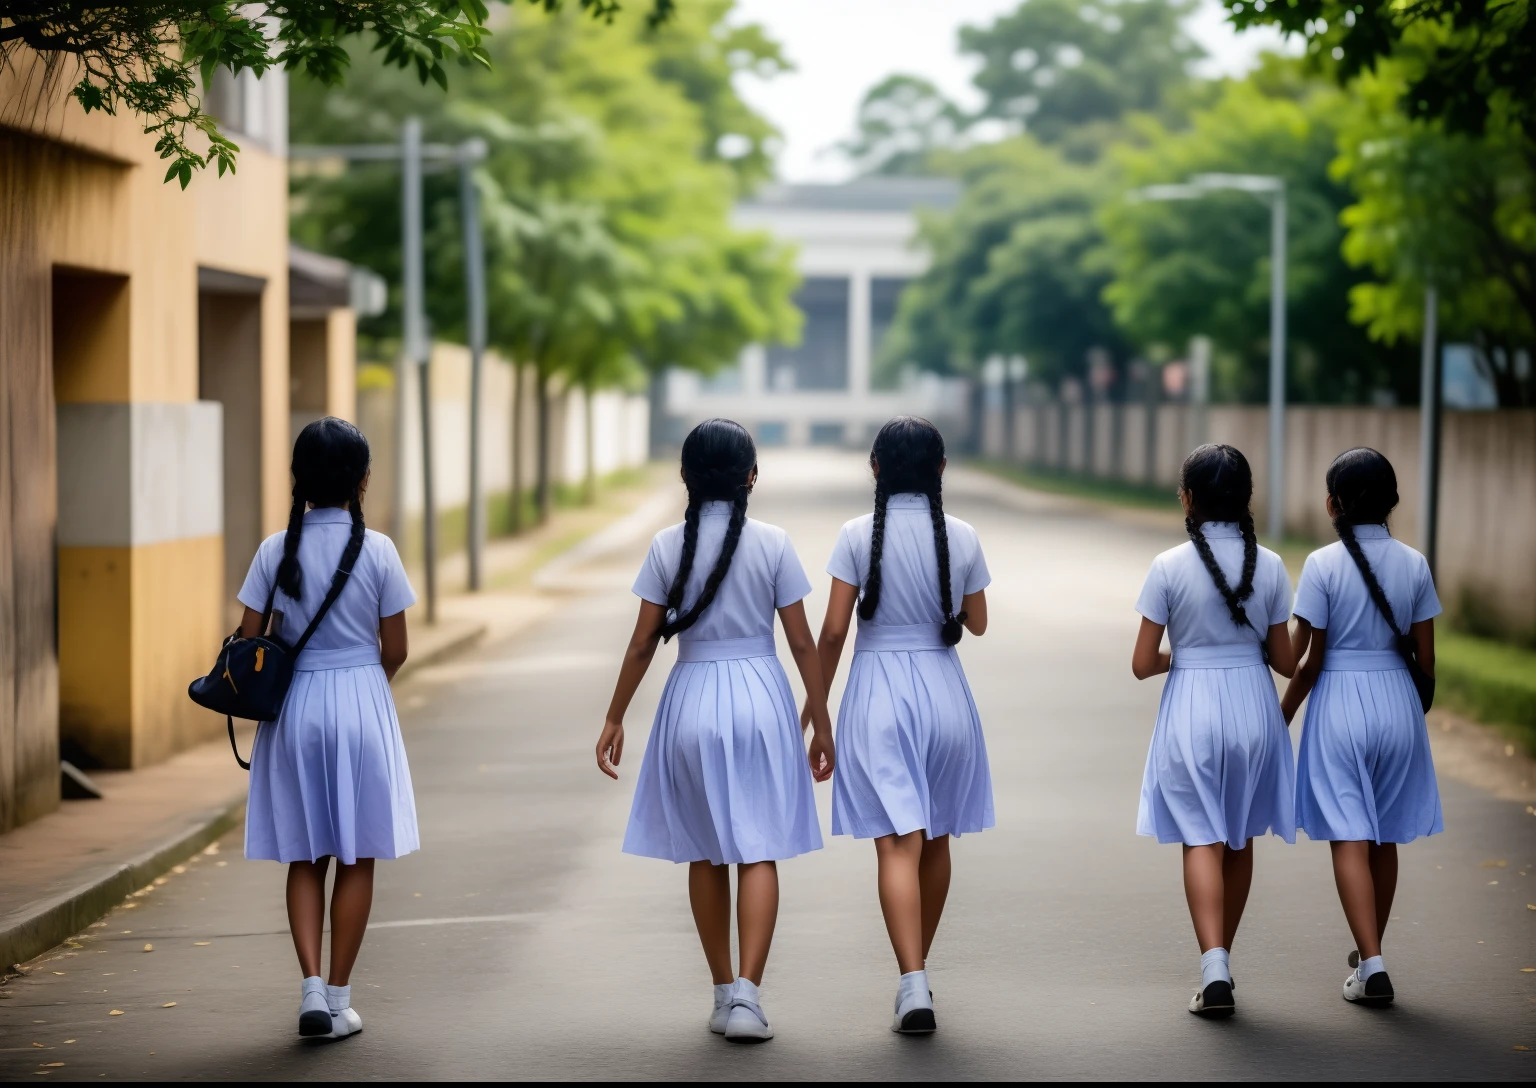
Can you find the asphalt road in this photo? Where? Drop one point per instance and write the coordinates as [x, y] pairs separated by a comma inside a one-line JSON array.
[[520, 942]]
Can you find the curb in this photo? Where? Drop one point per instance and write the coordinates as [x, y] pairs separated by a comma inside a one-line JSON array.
[[53, 922], [458, 643]]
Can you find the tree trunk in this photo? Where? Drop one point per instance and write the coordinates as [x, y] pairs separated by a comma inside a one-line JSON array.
[[517, 447], [542, 493], [590, 484]]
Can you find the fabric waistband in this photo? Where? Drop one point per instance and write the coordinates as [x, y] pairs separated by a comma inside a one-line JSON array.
[[903, 636], [346, 657], [1217, 657], [1362, 661], [726, 649]]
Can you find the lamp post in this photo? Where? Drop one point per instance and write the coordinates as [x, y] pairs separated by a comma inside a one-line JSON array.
[[411, 153], [1270, 190]]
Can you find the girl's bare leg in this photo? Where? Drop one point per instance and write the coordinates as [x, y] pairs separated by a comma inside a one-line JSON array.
[[709, 893], [1384, 877], [757, 911], [901, 896], [1204, 889], [933, 877], [306, 911], [351, 902], [1358, 895], [1236, 879]]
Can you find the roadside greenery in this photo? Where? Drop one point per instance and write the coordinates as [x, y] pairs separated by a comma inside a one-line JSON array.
[[1492, 681]]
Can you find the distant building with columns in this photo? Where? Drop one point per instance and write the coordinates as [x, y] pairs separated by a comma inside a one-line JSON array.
[[857, 251]]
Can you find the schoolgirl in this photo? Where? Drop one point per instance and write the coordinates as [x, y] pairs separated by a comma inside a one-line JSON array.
[[329, 778], [1219, 769], [1365, 780], [725, 780], [912, 768]]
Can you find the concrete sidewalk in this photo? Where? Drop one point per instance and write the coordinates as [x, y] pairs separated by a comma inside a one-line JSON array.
[[66, 870]]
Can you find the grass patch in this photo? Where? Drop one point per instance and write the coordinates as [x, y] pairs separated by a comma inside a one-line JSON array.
[[1146, 496], [1491, 681]]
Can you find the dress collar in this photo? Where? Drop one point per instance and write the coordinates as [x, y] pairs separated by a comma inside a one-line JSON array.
[[1220, 530], [1371, 532], [907, 500], [329, 515]]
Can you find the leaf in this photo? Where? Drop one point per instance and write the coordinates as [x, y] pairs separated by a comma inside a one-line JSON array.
[[149, 948], [115, 1012], [201, 944], [169, 1005]]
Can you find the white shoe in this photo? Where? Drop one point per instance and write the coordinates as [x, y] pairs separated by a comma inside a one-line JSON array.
[[745, 1020], [1215, 1001], [722, 1011], [914, 1015], [344, 1023], [314, 1012], [1375, 991]]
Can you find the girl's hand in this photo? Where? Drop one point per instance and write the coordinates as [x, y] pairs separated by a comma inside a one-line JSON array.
[[821, 756], [610, 748]]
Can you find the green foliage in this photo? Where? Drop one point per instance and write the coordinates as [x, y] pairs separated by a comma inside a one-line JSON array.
[[1492, 681], [903, 120], [1466, 59], [1442, 206], [127, 54], [1061, 67], [1202, 266]]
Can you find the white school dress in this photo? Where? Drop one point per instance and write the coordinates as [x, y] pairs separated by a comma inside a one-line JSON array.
[[1219, 768], [725, 777], [329, 777], [910, 752], [1365, 771]]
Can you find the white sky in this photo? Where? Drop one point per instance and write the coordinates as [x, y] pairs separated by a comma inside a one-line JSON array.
[[841, 48]]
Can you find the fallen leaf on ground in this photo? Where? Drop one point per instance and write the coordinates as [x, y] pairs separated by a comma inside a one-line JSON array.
[[149, 948], [1528, 970], [169, 1005], [55, 1065], [211, 849], [69, 1040], [200, 944], [1491, 883], [37, 1044], [1522, 1048], [58, 972], [115, 1012], [178, 869], [221, 864], [1499, 864]]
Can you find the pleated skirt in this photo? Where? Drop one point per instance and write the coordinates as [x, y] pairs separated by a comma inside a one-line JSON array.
[[725, 777], [1365, 772], [329, 777], [910, 751], [1219, 768]]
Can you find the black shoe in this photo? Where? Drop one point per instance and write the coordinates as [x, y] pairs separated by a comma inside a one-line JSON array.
[[1214, 1002]]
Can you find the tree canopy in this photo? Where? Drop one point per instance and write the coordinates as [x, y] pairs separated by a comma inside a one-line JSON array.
[[151, 57]]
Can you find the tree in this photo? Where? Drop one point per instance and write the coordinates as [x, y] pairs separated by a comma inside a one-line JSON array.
[[1010, 272], [1438, 205], [1058, 68], [1461, 60], [903, 120], [147, 56], [1202, 267]]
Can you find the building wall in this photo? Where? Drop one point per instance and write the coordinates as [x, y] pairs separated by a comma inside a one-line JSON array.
[[99, 322]]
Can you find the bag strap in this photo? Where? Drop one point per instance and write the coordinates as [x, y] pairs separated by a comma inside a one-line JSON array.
[[338, 583], [244, 766]]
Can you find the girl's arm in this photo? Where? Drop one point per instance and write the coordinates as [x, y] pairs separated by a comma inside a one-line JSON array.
[[637, 658], [1283, 654], [797, 632], [1149, 658], [834, 633], [974, 605], [392, 643], [1313, 641], [250, 623], [1423, 634]]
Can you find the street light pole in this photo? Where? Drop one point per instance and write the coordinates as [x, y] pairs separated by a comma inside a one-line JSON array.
[[474, 284], [1430, 393], [417, 349]]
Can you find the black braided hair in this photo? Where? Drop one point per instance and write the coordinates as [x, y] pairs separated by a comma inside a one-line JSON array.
[[1363, 488], [908, 455], [330, 463], [719, 459], [1219, 483]]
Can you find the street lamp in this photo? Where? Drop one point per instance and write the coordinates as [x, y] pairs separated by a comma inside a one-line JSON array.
[[1271, 190]]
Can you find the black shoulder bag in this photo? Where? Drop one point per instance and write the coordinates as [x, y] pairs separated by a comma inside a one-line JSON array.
[[1407, 646], [251, 677]]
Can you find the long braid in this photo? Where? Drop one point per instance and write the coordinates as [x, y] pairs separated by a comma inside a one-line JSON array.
[[1244, 588], [359, 530], [952, 629], [1346, 530], [871, 600], [290, 577], [685, 564], [721, 568], [1203, 548]]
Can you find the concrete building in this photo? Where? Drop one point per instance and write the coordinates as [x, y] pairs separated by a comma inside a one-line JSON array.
[[145, 411], [857, 250]]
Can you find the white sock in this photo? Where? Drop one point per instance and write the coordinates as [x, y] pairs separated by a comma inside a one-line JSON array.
[[1213, 967], [747, 989], [338, 997], [913, 992], [1369, 967], [722, 993]]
